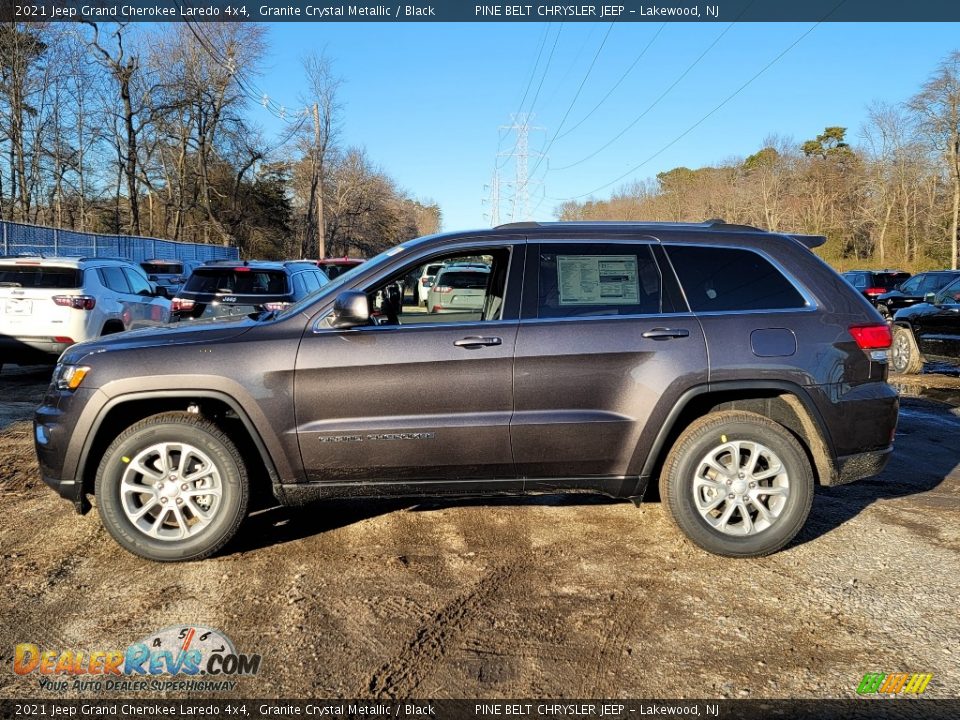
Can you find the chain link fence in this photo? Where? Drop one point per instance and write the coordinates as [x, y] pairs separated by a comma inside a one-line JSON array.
[[22, 239]]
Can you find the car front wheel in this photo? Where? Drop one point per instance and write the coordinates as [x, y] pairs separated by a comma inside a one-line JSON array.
[[738, 484], [172, 487], [905, 356]]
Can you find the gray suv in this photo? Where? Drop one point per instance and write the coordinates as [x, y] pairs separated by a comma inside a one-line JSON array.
[[727, 363]]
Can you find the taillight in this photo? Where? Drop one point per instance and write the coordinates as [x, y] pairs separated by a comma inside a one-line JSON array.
[[872, 337], [181, 305], [77, 302], [875, 291], [275, 306], [442, 288]]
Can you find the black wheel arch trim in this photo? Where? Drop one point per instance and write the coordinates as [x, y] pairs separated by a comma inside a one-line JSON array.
[[798, 391], [228, 400]]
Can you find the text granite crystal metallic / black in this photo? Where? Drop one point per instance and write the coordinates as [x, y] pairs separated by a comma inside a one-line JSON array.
[[727, 363]]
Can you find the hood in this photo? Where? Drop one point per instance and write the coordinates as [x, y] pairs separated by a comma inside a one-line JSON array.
[[182, 333]]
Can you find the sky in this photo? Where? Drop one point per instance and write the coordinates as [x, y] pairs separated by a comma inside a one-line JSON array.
[[427, 101]]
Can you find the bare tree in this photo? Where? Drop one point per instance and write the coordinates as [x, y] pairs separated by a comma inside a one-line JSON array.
[[938, 106], [324, 109]]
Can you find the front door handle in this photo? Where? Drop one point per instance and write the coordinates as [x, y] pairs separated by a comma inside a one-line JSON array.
[[475, 342], [666, 333]]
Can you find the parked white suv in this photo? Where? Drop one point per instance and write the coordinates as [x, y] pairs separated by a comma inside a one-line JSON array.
[[48, 304]]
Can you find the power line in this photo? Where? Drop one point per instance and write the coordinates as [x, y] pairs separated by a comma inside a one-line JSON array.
[[617, 83], [247, 86], [651, 105], [573, 102], [705, 117], [536, 95]]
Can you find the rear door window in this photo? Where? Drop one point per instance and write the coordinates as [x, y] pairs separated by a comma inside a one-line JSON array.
[[114, 279], [237, 281], [584, 280], [35, 276], [717, 279]]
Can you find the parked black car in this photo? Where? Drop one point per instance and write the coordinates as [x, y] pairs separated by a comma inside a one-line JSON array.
[[913, 291], [727, 363], [928, 331], [231, 288], [874, 283]]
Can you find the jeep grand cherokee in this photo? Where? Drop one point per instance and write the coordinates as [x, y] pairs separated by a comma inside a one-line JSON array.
[[727, 363]]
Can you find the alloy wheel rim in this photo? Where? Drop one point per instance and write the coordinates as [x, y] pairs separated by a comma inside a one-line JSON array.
[[171, 491], [900, 352], [741, 488]]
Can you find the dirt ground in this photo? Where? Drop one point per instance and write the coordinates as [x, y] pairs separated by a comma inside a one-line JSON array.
[[546, 597]]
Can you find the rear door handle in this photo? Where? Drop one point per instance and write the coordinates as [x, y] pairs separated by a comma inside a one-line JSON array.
[[666, 333], [475, 342]]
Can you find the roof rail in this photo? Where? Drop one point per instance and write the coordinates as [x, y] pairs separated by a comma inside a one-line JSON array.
[[519, 225]]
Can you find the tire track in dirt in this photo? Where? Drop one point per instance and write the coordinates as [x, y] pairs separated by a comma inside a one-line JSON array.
[[401, 676]]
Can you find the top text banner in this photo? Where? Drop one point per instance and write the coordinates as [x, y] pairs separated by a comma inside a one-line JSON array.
[[464, 11]]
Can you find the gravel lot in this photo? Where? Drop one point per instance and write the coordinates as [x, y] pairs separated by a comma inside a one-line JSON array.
[[553, 596]]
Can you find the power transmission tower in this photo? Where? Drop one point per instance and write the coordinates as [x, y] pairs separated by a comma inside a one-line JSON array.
[[520, 123], [495, 198]]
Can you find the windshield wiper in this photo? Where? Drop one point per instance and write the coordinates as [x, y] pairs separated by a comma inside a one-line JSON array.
[[10, 284]]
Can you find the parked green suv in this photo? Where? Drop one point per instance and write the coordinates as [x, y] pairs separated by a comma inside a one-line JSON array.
[[728, 363]]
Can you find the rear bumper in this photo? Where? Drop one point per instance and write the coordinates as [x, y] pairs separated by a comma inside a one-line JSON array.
[[851, 468], [25, 349]]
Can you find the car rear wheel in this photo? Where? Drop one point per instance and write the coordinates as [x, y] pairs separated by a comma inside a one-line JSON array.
[[905, 356], [738, 484], [172, 487]]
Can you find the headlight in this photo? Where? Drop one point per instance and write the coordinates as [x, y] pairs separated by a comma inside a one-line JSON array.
[[69, 377]]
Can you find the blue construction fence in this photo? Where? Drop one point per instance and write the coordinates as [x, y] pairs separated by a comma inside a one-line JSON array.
[[23, 239]]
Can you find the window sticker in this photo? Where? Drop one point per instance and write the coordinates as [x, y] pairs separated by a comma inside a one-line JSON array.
[[597, 279]]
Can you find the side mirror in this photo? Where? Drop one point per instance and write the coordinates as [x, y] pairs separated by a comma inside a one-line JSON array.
[[161, 291], [350, 309], [930, 298]]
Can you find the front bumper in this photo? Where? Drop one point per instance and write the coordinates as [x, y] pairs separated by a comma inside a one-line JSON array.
[[55, 423]]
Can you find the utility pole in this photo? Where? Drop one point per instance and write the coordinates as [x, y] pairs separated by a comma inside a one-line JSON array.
[[318, 182], [520, 123]]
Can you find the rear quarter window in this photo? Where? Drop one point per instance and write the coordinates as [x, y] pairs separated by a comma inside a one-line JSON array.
[[730, 279]]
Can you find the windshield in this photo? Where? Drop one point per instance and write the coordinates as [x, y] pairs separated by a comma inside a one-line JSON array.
[[476, 280], [335, 284], [889, 280], [237, 281], [950, 294], [162, 268], [35, 276]]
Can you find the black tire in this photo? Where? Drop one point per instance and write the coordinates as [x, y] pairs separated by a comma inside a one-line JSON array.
[[905, 357], [173, 427], [711, 433]]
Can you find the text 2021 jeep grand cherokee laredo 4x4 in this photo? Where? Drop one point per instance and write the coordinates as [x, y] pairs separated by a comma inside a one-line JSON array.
[[729, 362]]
